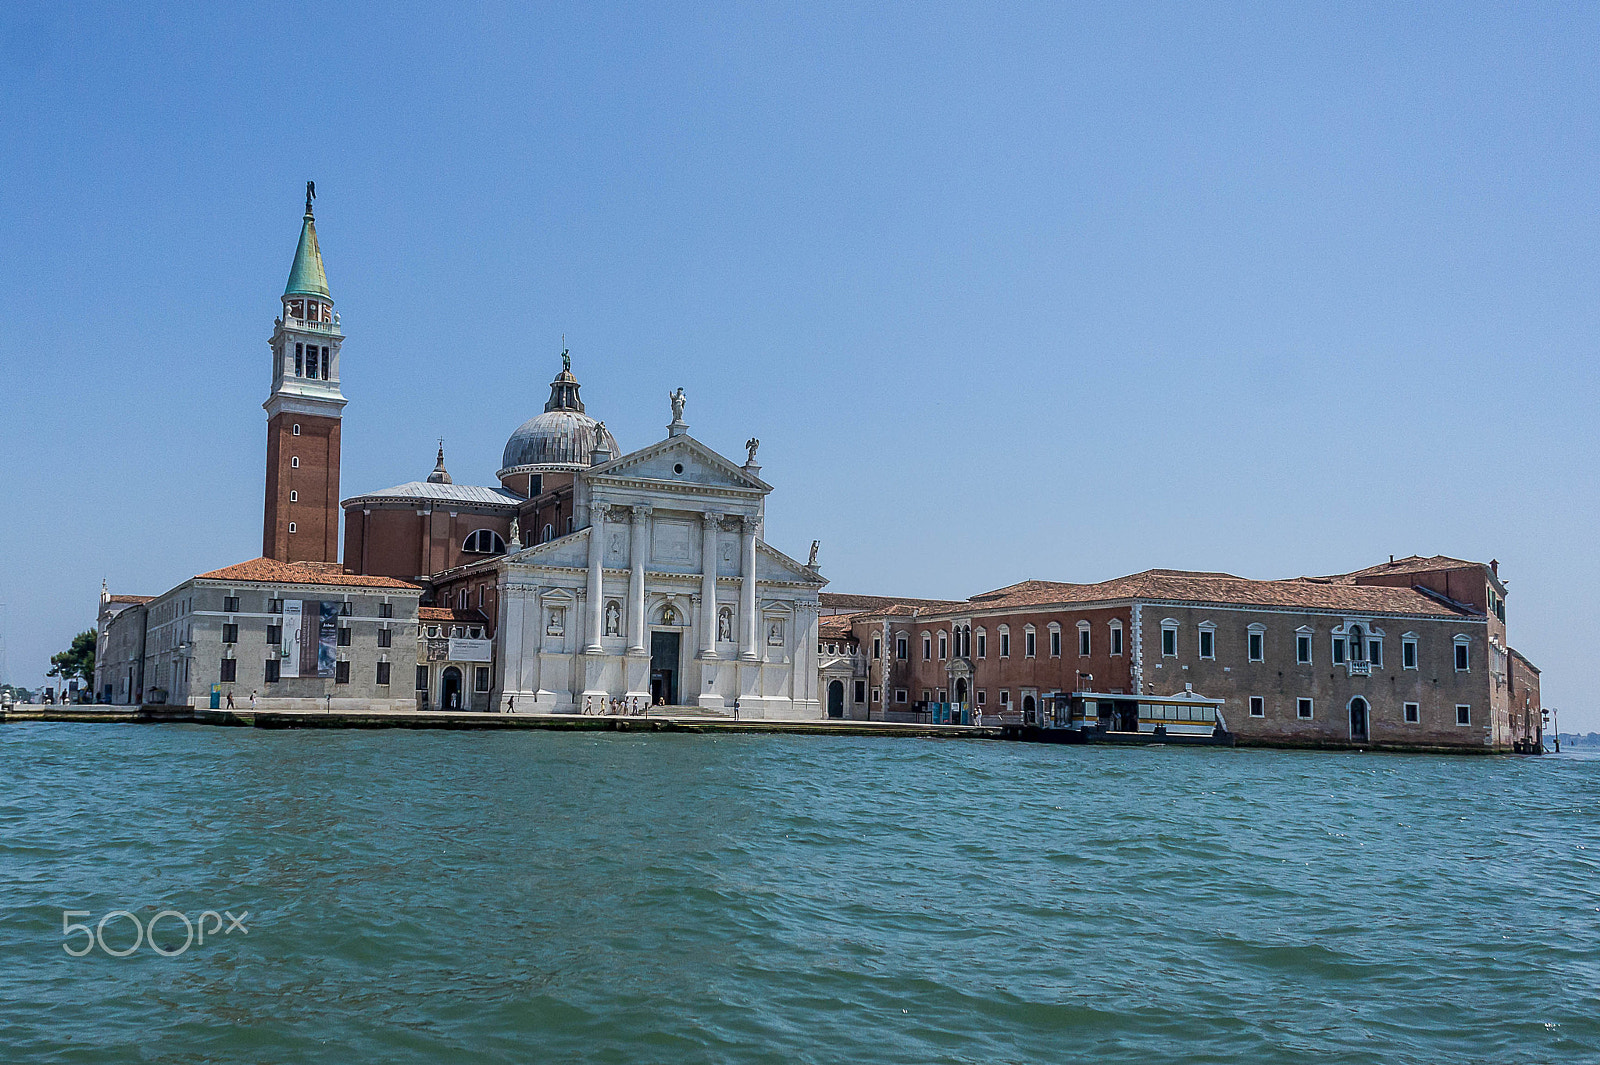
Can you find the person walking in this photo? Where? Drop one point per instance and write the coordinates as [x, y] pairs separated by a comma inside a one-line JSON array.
[[252, 699], [230, 698]]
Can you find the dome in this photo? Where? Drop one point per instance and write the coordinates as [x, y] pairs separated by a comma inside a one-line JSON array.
[[563, 436], [556, 438]]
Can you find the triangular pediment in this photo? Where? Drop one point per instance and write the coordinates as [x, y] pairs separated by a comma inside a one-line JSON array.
[[569, 551], [659, 462], [774, 565]]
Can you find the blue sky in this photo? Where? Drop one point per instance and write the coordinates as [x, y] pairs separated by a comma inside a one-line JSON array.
[[1006, 291]]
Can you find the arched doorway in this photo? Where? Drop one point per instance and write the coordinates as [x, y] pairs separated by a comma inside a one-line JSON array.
[[961, 689], [1030, 712], [836, 698], [1358, 720], [450, 689]]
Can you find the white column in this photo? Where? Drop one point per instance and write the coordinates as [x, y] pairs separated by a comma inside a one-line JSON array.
[[749, 624], [639, 540], [708, 583], [597, 559]]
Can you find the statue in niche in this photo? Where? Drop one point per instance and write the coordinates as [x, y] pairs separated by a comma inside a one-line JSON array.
[[669, 616], [725, 625], [557, 625], [613, 619], [775, 634], [677, 400], [616, 543]]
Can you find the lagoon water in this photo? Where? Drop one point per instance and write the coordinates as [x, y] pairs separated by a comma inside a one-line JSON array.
[[453, 897]]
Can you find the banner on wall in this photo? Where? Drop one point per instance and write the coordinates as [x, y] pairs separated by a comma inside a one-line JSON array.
[[327, 639], [289, 653]]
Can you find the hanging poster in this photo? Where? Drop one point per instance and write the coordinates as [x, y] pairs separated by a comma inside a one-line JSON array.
[[327, 639], [289, 650]]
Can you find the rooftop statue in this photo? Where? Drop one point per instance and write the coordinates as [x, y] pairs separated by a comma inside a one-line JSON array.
[[750, 446], [677, 399]]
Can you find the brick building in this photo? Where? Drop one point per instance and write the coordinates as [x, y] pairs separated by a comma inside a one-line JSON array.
[[1411, 653]]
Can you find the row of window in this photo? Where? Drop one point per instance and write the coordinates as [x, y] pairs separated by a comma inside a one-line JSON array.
[[230, 605], [230, 634], [1352, 645], [965, 641], [272, 674], [1305, 710], [901, 695]]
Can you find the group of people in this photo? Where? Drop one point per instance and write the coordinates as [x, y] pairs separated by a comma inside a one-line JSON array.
[[615, 706]]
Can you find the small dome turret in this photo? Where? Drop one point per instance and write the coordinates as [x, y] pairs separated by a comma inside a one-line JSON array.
[[562, 438]]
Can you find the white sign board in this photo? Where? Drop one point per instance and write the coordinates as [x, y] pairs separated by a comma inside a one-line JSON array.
[[470, 650]]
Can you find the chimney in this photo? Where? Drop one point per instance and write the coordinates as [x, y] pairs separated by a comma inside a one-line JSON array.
[[1391, 560], [1494, 566]]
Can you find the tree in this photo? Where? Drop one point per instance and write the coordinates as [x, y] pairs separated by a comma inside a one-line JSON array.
[[77, 661]]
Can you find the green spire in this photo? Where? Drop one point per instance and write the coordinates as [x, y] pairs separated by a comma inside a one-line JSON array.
[[305, 276]]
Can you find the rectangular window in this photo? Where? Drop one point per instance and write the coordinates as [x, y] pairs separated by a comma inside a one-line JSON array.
[[230, 633], [900, 695], [1005, 645], [274, 606], [877, 649], [1208, 644], [1375, 652], [480, 679], [1461, 658], [1258, 706], [944, 646], [1463, 714], [875, 695], [983, 645], [327, 364], [383, 673], [1408, 654], [927, 649], [1055, 643], [1169, 643], [1029, 648], [230, 669], [311, 360], [422, 678], [299, 360], [385, 638], [926, 695], [1413, 713], [1116, 640], [983, 697], [230, 604], [1303, 709], [271, 676], [902, 648], [274, 634], [346, 608], [1302, 650], [861, 691], [344, 636], [341, 672], [1338, 650], [1258, 642], [386, 610], [1005, 697]]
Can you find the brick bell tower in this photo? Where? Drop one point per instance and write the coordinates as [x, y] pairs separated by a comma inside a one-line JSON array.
[[301, 517]]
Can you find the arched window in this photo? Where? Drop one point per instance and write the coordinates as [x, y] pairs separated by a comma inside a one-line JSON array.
[[291, 526], [296, 428], [484, 542], [549, 532], [294, 462]]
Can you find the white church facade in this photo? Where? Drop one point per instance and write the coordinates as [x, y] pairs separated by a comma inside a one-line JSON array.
[[663, 592]]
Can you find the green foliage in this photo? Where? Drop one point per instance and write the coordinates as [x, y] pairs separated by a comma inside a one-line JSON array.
[[77, 661]]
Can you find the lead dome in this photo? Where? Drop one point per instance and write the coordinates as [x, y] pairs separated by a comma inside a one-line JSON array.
[[562, 438]]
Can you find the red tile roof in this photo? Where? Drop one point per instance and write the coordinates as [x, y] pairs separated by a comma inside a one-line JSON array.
[[136, 600], [1414, 564], [1306, 593], [448, 613], [835, 626], [271, 571], [882, 604]]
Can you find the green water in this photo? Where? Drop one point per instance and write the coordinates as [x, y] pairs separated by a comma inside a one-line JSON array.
[[439, 897]]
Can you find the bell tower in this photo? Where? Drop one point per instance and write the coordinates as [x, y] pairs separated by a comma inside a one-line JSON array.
[[301, 517]]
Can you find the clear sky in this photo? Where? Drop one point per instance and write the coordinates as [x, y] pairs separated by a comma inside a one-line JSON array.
[[1006, 291]]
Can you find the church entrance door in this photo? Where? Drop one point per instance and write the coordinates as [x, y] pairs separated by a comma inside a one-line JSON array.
[[836, 698], [450, 689], [664, 650]]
